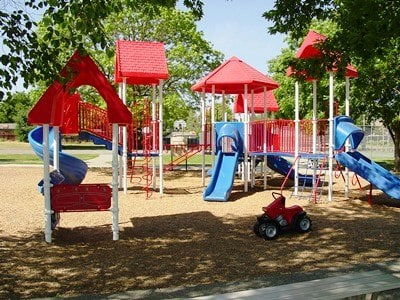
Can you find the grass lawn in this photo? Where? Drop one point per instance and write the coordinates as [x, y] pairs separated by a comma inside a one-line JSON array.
[[7, 158]]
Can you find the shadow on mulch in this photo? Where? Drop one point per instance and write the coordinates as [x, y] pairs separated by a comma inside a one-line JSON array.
[[192, 250]]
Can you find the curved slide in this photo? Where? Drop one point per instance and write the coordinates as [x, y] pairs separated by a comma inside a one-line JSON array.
[[282, 166], [73, 169], [223, 175], [360, 164]]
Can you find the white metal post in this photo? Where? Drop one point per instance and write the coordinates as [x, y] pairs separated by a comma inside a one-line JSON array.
[[265, 138], [347, 145], [314, 131], [246, 139], [154, 139], [160, 129], [331, 145], [46, 184], [115, 209], [204, 130], [213, 135], [124, 144], [56, 148], [296, 138]]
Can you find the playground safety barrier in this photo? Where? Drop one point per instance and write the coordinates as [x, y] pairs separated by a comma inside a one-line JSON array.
[[279, 136]]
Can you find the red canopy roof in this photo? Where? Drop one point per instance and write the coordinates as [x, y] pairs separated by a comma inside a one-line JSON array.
[[258, 103], [231, 76], [141, 63], [307, 49], [80, 70]]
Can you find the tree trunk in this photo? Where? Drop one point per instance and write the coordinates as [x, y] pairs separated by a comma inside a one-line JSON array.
[[397, 150]]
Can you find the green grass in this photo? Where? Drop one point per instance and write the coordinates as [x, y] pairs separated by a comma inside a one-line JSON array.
[[27, 159]]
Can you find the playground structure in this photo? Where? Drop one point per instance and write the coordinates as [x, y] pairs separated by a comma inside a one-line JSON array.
[[268, 141], [244, 143], [70, 172]]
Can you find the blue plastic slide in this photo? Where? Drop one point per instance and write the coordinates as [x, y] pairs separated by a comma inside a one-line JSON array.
[[358, 163], [282, 166], [372, 172], [223, 174], [222, 178], [73, 169]]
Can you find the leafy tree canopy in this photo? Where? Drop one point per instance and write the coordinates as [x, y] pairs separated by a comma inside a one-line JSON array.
[[25, 57], [366, 34]]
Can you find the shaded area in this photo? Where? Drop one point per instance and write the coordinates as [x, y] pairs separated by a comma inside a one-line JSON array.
[[181, 254]]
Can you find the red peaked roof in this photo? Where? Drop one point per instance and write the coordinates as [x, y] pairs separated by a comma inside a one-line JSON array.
[[307, 49], [80, 70], [258, 103], [141, 63], [351, 71], [231, 76]]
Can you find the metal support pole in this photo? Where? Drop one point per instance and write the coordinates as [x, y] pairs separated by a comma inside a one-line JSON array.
[[331, 145], [46, 184], [115, 209], [296, 141]]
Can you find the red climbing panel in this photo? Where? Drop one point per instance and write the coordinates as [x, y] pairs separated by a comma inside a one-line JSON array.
[[82, 197]]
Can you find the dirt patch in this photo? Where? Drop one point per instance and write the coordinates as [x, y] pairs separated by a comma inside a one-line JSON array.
[[179, 240]]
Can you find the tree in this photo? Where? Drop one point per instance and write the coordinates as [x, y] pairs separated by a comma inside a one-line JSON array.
[[25, 57], [14, 110], [285, 93], [368, 36]]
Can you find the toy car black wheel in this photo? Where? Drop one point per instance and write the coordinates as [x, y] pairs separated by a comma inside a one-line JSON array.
[[256, 228], [303, 224], [269, 230]]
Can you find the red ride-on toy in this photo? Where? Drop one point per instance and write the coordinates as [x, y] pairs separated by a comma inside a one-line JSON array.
[[277, 217]]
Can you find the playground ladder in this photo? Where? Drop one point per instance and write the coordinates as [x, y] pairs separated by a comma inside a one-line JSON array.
[[316, 168]]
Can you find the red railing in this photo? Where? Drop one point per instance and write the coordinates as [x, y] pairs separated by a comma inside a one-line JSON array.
[[94, 120], [279, 136]]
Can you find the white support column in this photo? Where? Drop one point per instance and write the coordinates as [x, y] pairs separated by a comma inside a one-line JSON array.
[[246, 139], [115, 208], [314, 130], [56, 148], [124, 145], [265, 139], [347, 145], [213, 146], [160, 129], [46, 184], [154, 135], [203, 129], [121, 171], [224, 116], [296, 141], [331, 145]]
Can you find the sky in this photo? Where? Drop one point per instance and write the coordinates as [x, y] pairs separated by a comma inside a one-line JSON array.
[[237, 28]]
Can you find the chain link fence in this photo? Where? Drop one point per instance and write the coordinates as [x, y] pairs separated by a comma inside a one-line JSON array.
[[377, 143]]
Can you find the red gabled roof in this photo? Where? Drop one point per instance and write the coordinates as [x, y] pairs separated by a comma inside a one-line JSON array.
[[231, 76], [258, 103], [141, 63], [351, 71], [80, 70], [307, 48]]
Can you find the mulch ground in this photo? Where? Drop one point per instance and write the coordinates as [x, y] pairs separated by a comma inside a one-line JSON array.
[[179, 241]]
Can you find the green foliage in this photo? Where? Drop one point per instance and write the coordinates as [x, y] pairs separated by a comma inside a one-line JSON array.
[[367, 34], [66, 25], [175, 109], [12, 106], [22, 129]]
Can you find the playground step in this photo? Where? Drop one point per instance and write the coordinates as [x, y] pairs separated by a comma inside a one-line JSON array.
[[351, 285]]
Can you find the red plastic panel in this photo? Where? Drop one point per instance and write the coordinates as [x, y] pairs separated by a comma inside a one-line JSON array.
[[82, 197]]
